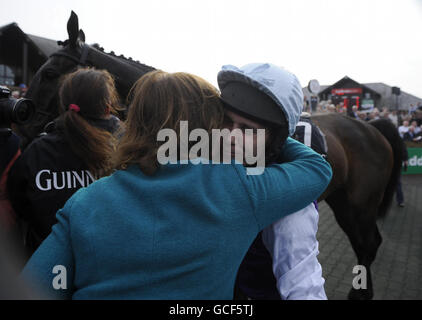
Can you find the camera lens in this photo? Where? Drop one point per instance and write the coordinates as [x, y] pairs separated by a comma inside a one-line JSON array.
[[19, 111]]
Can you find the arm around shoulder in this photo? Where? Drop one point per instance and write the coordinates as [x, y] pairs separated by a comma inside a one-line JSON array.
[[288, 187]]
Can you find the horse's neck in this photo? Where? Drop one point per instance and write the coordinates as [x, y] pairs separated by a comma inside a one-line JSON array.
[[125, 72]]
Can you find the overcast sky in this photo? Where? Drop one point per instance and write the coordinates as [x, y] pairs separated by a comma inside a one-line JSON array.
[[369, 41]]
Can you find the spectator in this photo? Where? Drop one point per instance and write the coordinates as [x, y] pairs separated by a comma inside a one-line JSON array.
[[412, 109], [320, 108], [403, 128], [340, 109], [385, 115], [399, 191], [416, 129], [417, 116], [354, 112], [410, 135], [393, 117], [23, 90], [403, 115], [364, 116], [71, 155], [331, 108], [407, 118]]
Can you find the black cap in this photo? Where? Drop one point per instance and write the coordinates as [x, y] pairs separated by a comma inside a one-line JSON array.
[[252, 102]]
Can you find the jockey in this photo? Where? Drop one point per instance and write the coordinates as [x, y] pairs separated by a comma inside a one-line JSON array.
[[282, 261]]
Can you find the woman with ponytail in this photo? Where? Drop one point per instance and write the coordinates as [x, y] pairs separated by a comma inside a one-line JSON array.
[[75, 151]]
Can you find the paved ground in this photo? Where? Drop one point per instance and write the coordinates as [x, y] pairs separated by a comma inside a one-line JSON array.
[[397, 270]]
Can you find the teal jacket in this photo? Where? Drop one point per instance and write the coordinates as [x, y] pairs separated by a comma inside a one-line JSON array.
[[179, 234]]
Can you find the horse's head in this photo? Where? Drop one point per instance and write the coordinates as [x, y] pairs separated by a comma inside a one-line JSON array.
[[44, 86], [75, 53]]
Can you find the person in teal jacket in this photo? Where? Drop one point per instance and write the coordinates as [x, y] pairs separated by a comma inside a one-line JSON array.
[[173, 231]]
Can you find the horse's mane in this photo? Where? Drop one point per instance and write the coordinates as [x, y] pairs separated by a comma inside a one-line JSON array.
[[129, 60]]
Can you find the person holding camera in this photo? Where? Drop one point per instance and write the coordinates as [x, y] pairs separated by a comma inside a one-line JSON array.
[[13, 111], [73, 153]]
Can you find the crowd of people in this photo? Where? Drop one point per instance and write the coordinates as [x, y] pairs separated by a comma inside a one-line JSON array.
[[20, 91], [408, 122], [91, 197]]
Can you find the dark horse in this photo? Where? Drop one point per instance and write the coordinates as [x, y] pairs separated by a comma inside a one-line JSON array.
[[366, 158], [75, 53]]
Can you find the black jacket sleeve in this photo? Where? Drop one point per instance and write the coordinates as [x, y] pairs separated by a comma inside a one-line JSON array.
[[17, 183]]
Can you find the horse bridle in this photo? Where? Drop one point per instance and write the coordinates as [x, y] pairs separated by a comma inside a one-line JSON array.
[[82, 61]]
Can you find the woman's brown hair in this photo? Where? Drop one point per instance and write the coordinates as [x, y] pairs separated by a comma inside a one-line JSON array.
[[160, 100], [94, 95]]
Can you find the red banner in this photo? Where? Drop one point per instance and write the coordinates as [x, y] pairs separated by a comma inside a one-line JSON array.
[[343, 91]]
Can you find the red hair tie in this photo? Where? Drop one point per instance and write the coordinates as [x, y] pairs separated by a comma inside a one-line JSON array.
[[74, 107]]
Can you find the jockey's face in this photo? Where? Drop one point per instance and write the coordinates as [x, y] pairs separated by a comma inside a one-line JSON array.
[[233, 121]]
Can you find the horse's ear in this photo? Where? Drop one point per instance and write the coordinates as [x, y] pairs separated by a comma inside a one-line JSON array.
[[81, 35], [73, 29]]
